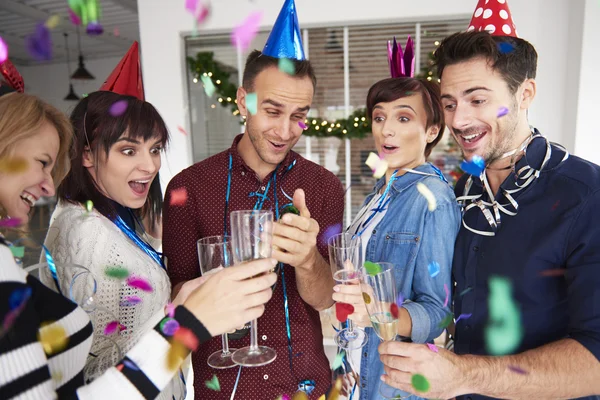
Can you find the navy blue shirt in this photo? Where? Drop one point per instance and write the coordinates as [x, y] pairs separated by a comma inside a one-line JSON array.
[[550, 251]]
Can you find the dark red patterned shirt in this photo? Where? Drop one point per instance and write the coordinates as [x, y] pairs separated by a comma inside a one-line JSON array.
[[201, 216]]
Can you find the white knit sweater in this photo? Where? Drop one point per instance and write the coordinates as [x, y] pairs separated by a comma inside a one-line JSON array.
[[93, 241]]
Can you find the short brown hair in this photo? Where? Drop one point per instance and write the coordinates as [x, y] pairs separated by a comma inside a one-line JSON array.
[[258, 62], [513, 58], [22, 115], [392, 89]]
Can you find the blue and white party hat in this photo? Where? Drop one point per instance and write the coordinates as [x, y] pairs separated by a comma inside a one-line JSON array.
[[285, 40]]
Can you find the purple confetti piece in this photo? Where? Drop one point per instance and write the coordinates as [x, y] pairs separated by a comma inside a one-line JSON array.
[[302, 125], [74, 18], [139, 283], [111, 328], [18, 298], [131, 365], [243, 34], [518, 370], [502, 111], [463, 316], [169, 326], [94, 29], [447, 295], [400, 299], [39, 43], [329, 232], [9, 222], [118, 108], [433, 347], [191, 5], [129, 301], [3, 51]]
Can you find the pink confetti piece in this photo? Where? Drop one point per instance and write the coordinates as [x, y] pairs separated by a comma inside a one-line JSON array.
[[3, 51], [433, 347], [170, 310], [116, 32], [243, 34], [39, 43], [502, 111], [302, 125], [178, 197], [180, 129], [139, 283], [74, 18], [518, 370], [129, 301], [111, 328], [447, 295], [9, 222], [118, 108], [463, 316]]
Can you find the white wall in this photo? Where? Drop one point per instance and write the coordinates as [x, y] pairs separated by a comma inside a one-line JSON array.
[[50, 81], [545, 23]]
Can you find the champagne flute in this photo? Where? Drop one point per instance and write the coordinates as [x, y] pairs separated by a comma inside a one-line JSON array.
[[380, 296], [345, 257], [215, 252], [251, 234]]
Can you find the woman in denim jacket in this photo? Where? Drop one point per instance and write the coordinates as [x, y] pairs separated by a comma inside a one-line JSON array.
[[396, 224]]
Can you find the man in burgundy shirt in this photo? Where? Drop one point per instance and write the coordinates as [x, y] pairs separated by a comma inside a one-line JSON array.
[[282, 102]]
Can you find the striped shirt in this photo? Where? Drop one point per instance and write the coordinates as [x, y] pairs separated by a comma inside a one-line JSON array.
[[30, 312]]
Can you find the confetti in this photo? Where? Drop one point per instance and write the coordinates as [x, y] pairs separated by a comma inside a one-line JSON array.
[[199, 10], [505, 48], [57, 376], [555, 205], [53, 21], [554, 272], [243, 34], [342, 310], [187, 338], [209, 86], [252, 103], [463, 316], [74, 18], [467, 290], [139, 283], [420, 383], [474, 167], [39, 43], [518, 370], [433, 347], [17, 251], [116, 32], [502, 111], [170, 310], [302, 125], [9, 222], [129, 301], [446, 321], [89, 206], [213, 384], [53, 338], [176, 354], [378, 165], [178, 197], [120, 367], [300, 396], [339, 360], [372, 268], [116, 272], [394, 310], [111, 328], [18, 298], [180, 129], [366, 298], [3, 51], [286, 65], [428, 194], [118, 108], [434, 269], [13, 165], [329, 232], [447, 295], [131, 365], [504, 332], [400, 299], [169, 326]]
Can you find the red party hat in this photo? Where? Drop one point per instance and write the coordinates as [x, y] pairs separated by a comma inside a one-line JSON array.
[[493, 16], [126, 78], [12, 77]]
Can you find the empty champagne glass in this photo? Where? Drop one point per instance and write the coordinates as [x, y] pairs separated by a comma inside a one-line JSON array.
[[380, 296], [345, 257], [214, 252], [251, 234]]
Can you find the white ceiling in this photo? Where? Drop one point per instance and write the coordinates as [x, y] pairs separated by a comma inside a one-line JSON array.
[[18, 19]]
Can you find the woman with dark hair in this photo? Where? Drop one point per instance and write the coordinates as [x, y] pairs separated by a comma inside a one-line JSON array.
[[109, 207], [399, 225]]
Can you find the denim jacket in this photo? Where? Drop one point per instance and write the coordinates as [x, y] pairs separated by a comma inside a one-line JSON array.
[[411, 237]]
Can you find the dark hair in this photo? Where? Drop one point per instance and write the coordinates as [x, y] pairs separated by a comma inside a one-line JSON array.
[[513, 58], [93, 124], [392, 89], [258, 62]]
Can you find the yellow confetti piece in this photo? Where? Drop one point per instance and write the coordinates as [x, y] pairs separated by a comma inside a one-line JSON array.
[[376, 164], [322, 397], [366, 298], [14, 165], [53, 21], [53, 338], [177, 353], [57, 376], [424, 190], [300, 396]]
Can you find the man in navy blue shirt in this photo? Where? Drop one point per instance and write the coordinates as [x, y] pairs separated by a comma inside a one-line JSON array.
[[527, 258]]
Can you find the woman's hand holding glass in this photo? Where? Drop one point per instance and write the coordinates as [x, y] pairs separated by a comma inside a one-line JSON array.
[[351, 293]]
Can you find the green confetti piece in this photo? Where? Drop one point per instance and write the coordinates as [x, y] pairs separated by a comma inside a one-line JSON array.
[[89, 206], [117, 272], [17, 251], [372, 268], [252, 103], [213, 384], [289, 210], [504, 332], [286, 65], [339, 359], [420, 383], [446, 321], [209, 86]]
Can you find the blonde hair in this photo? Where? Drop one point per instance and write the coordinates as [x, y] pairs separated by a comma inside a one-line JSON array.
[[22, 116]]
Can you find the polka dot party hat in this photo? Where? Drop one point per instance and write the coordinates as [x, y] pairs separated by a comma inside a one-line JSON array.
[[493, 16]]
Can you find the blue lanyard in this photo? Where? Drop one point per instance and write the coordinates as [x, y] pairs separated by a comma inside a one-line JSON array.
[[131, 234]]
